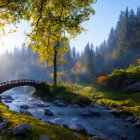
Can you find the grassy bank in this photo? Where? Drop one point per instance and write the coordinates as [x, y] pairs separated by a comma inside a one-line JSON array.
[[38, 127], [100, 94], [62, 92], [83, 95]]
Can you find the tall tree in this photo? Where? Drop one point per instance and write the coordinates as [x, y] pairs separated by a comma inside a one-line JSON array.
[[74, 54], [89, 60], [51, 20]]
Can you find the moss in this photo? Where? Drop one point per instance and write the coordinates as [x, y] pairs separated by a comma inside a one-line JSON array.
[[39, 128]]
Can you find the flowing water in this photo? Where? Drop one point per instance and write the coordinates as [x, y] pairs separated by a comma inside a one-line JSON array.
[[105, 125]]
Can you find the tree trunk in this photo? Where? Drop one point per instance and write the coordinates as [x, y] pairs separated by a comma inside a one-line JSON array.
[[55, 68]]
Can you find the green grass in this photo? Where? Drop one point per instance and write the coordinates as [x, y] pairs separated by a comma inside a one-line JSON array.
[[62, 92], [113, 91], [118, 95], [38, 127], [130, 102], [67, 94]]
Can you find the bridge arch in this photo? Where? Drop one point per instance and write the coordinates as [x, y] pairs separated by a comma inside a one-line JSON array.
[[4, 86]]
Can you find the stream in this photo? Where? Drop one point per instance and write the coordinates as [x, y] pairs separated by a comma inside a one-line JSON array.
[[105, 125]]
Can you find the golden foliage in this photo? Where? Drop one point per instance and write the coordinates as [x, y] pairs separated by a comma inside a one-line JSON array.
[[54, 23], [138, 61], [78, 67], [103, 80]]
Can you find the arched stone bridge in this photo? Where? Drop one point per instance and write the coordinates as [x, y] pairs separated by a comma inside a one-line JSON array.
[[4, 86]]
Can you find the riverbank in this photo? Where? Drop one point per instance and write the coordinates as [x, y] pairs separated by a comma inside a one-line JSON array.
[[91, 117], [38, 128], [108, 97], [85, 95]]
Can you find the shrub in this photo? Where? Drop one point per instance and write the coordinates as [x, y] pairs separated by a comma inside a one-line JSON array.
[[45, 87], [43, 91], [118, 74], [60, 89], [103, 80], [138, 61]]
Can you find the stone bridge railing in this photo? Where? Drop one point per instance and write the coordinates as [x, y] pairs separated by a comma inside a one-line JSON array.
[[18, 81], [4, 86]]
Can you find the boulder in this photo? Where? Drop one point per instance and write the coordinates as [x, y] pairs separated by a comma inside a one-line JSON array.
[[21, 129], [133, 88], [3, 125], [24, 106], [8, 101], [137, 123], [127, 82], [44, 138], [7, 97], [89, 113], [122, 114], [76, 127], [48, 112], [59, 103], [131, 119]]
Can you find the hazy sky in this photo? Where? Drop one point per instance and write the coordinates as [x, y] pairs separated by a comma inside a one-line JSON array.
[[107, 14]]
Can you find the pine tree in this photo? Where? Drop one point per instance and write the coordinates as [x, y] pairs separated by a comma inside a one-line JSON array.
[[74, 55], [89, 60]]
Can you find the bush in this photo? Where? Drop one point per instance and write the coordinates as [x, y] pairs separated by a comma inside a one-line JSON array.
[[60, 89], [120, 79], [43, 91], [118, 74], [132, 72], [103, 80]]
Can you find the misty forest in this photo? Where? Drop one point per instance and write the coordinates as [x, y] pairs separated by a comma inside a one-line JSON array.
[[51, 90]]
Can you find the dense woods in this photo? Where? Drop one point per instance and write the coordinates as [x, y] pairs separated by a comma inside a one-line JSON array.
[[122, 47], [119, 51]]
